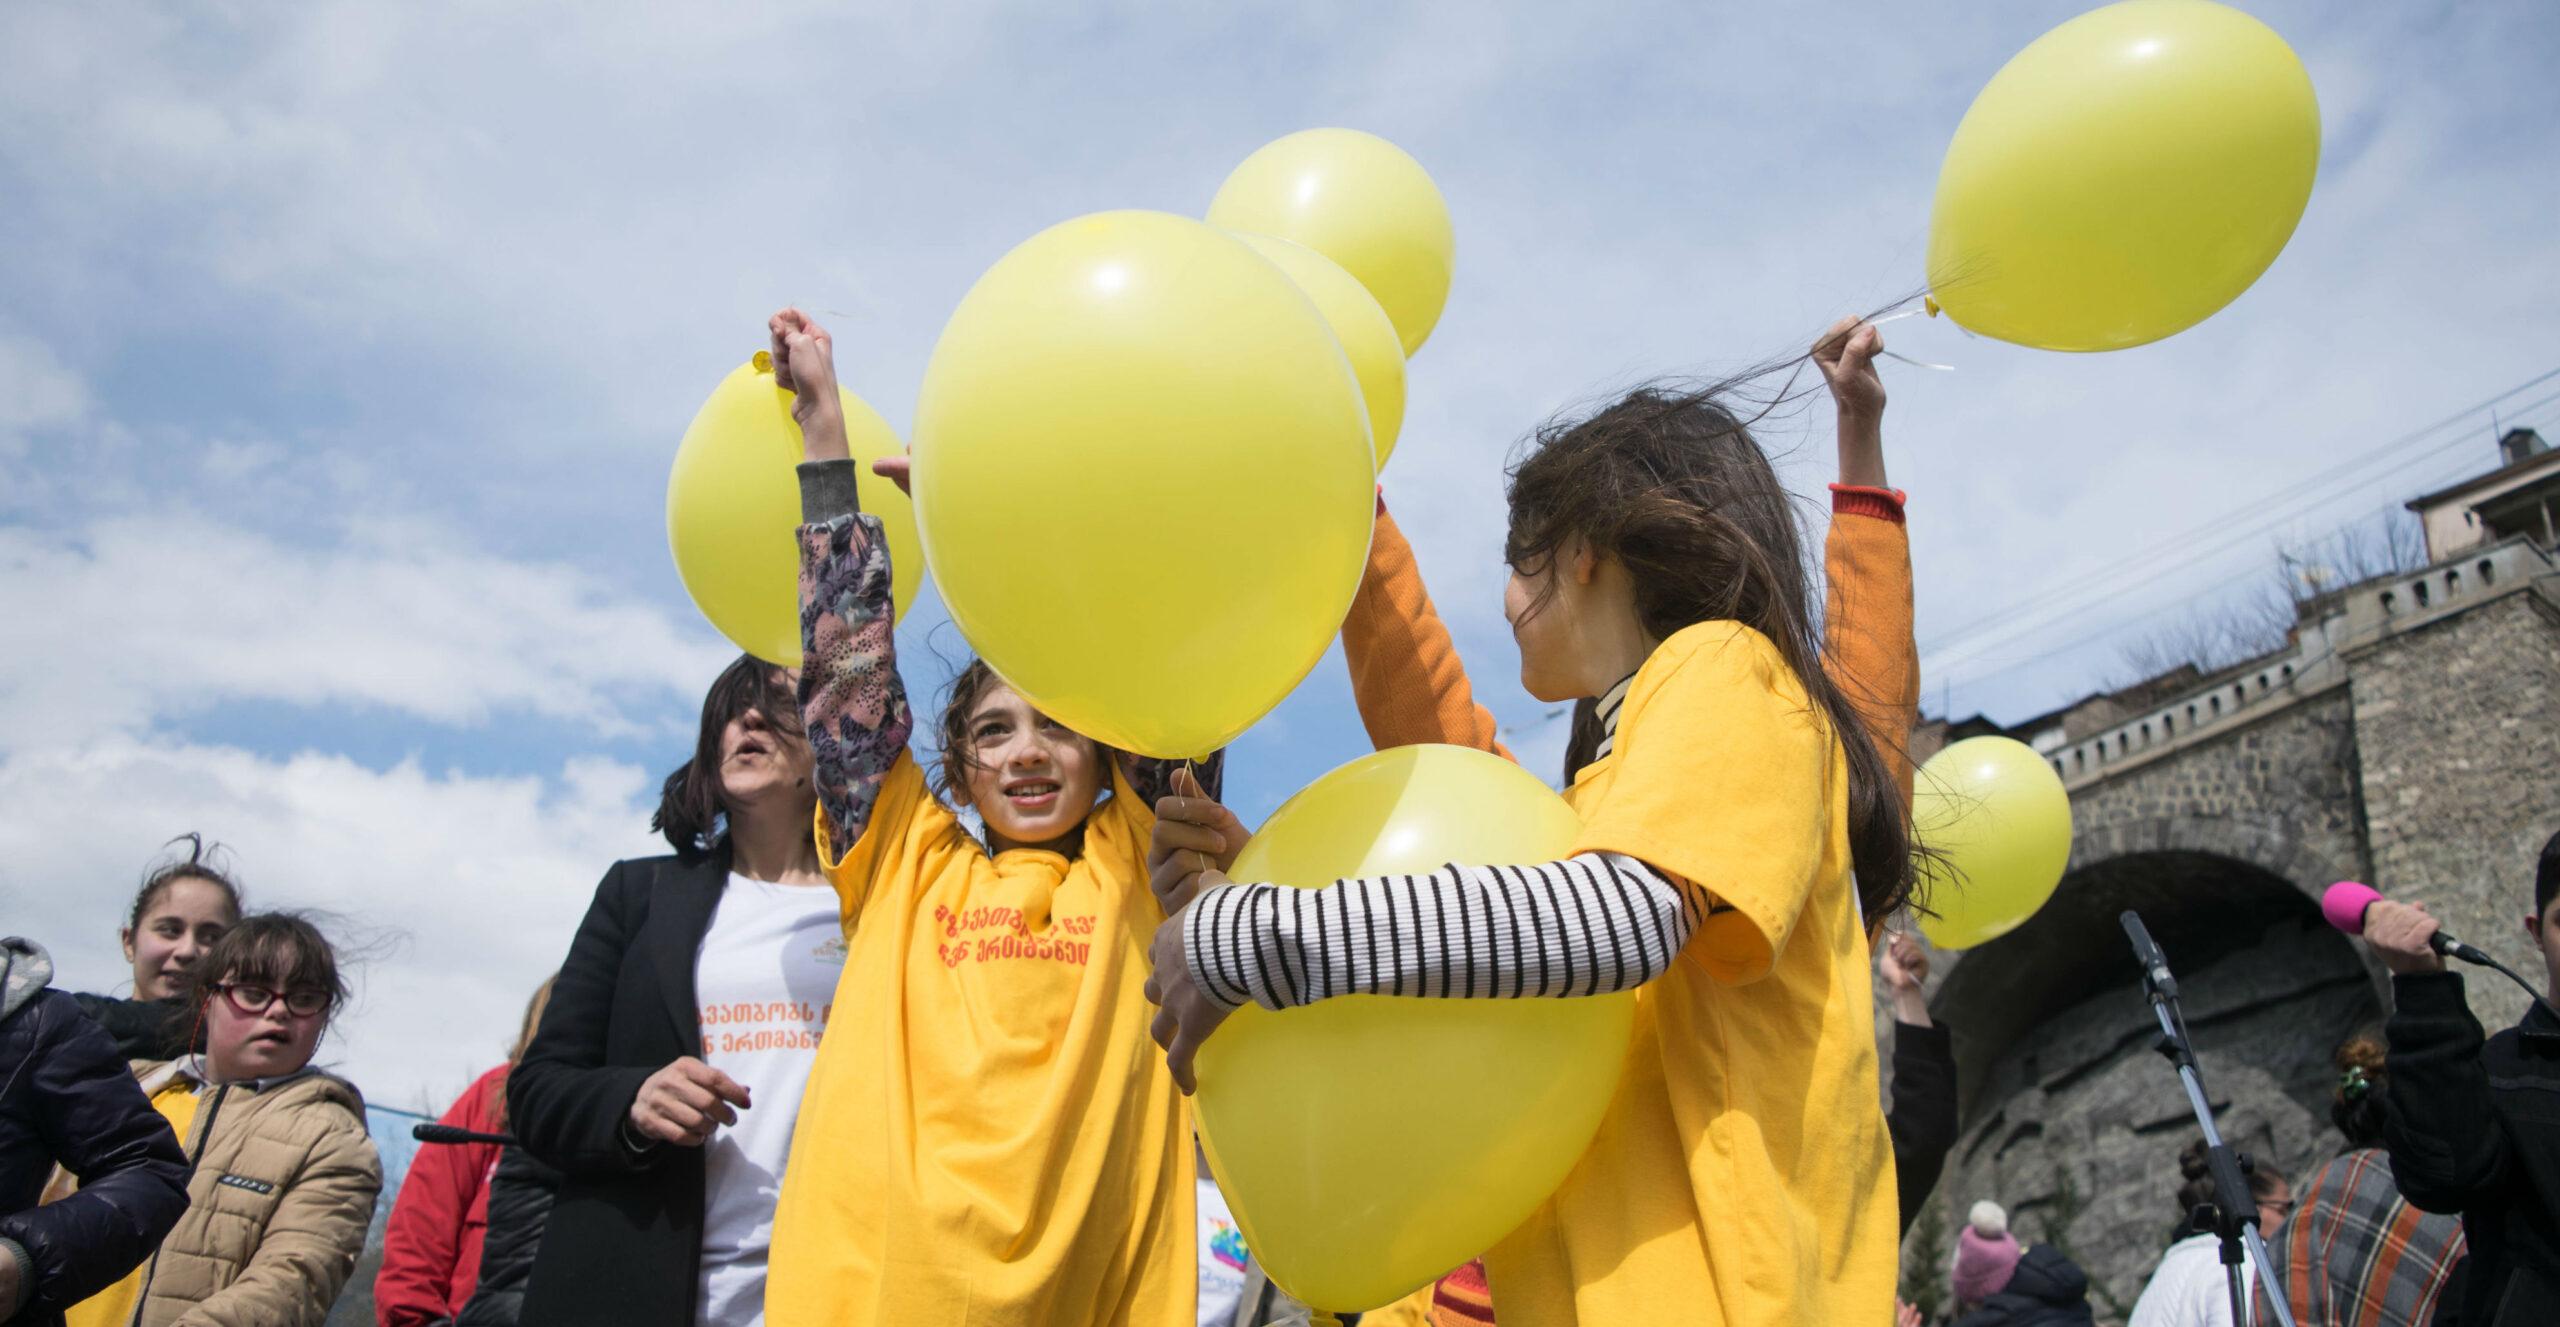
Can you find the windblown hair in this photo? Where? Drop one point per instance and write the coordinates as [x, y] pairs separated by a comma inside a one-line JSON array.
[[282, 951], [197, 863], [1670, 483], [524, 1038], [690, 811], [955, 756]]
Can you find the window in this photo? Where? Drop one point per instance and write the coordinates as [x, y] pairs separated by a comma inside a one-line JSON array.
[[2390, 601], [2169, 723], [2288, 672], [2488, 572], [2216, 703], [2419, 588]]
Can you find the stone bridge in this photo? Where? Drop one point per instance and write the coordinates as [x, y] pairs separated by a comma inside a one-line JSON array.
[[2406, 737]]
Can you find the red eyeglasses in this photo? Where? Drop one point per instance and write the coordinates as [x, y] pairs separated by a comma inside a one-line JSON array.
[[253, 999]]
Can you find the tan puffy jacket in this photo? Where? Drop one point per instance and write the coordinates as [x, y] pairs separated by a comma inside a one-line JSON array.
[[277, 1207]]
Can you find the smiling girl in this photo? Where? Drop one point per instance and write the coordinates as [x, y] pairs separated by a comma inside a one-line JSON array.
[[283, 1176], [988, 1138], [183, 907]]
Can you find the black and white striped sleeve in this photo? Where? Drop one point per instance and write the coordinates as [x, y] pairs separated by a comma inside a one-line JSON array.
[[1591, 924]]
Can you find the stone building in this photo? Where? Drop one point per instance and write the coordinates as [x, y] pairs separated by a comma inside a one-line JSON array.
[[2406, 735]]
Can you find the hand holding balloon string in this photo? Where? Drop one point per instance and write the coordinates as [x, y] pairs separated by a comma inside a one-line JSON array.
[[1194, 844]]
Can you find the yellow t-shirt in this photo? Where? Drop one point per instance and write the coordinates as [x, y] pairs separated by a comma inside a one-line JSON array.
[[1742, 1175], [989, 1135], [113, 1306]]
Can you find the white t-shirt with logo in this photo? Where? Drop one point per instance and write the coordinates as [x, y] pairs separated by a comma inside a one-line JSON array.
[[764, 979], [1222, 1255]]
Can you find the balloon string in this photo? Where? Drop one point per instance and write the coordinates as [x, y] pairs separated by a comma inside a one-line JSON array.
[[1895, 317], [1918, 363]]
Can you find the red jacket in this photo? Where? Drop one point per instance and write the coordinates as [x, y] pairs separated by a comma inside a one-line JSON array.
[[431, 1245]]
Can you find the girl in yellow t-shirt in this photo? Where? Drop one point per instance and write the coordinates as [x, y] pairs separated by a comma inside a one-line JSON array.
[[1742, 1175], [987, 1137]]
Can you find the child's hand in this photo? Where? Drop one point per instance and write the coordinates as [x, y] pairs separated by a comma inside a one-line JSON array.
[[1193, 835], [1905, 964], [1184, 1015], [1847, 357], [1846, 354], [804, 364]]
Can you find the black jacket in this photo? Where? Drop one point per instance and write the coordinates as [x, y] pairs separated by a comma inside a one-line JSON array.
[[520, 1198], [2474, 1128], [1922, 1122], [67, 1097], [624, 1245], [2047, 1290]]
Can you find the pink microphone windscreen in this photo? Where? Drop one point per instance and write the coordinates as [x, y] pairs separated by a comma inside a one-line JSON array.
[[2344, 904]]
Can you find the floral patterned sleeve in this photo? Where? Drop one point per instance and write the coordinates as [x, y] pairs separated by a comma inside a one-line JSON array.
[[851, 699]]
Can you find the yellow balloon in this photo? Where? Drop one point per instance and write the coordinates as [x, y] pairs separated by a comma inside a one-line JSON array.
[[1352, 1182], [1143, 478], [1368, 339], [1362, 202], [2001, 823], [733, 502], [2123, 177]]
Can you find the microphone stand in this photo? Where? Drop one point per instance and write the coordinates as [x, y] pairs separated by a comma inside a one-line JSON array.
[[2233, 1211]]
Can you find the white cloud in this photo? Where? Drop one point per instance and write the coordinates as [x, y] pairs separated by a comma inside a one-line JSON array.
[[464, 891], [133, 618], [36, 391]]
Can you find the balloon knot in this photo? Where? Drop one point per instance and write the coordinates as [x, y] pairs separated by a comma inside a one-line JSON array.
[[763, 361], [1930, 303]]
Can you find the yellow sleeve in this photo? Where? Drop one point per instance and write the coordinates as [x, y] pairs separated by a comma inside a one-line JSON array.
[[904, 802], [1723, 779]]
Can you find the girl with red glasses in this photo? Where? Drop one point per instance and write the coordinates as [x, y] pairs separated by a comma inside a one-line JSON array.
[[283, 1177]]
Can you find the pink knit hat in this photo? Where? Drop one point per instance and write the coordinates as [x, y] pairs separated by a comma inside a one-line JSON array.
[[1985, 1254]]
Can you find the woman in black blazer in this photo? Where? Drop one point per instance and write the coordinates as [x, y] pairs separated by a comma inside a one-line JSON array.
[[614, 1091]]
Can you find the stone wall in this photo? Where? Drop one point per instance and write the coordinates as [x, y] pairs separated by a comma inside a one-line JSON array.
[[2458, 725]]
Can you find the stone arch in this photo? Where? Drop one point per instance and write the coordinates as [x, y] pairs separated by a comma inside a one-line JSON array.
[[2068, 1116]]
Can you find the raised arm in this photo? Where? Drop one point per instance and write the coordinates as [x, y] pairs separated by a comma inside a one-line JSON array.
[[1867, 642], [1405, 673], [851, 698]]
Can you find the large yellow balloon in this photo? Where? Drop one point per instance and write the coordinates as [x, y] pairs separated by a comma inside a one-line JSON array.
[[2001, 823], [1143, 477], [2122, 178], [1362, 202], [1368, 339], [1352, 1181], [733, 502]]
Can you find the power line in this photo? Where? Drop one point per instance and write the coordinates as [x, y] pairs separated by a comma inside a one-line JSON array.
[[2080, 587], [2068, 598]]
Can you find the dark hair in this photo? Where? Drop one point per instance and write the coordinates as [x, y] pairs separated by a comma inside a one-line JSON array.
[[2546, 878], [2356, 1106], [2195, 1171], [955, 756], [690, 812], [197, 864], [280, 950], [1670, 483]]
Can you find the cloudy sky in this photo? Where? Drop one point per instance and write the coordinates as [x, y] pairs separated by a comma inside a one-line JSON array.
[[343, 352]]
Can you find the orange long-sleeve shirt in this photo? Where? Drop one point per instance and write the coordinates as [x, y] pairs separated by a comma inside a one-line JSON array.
[[1411, 687]]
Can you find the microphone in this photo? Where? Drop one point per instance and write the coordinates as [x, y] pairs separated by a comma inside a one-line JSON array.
[[2344, 904], [446, 1133]]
